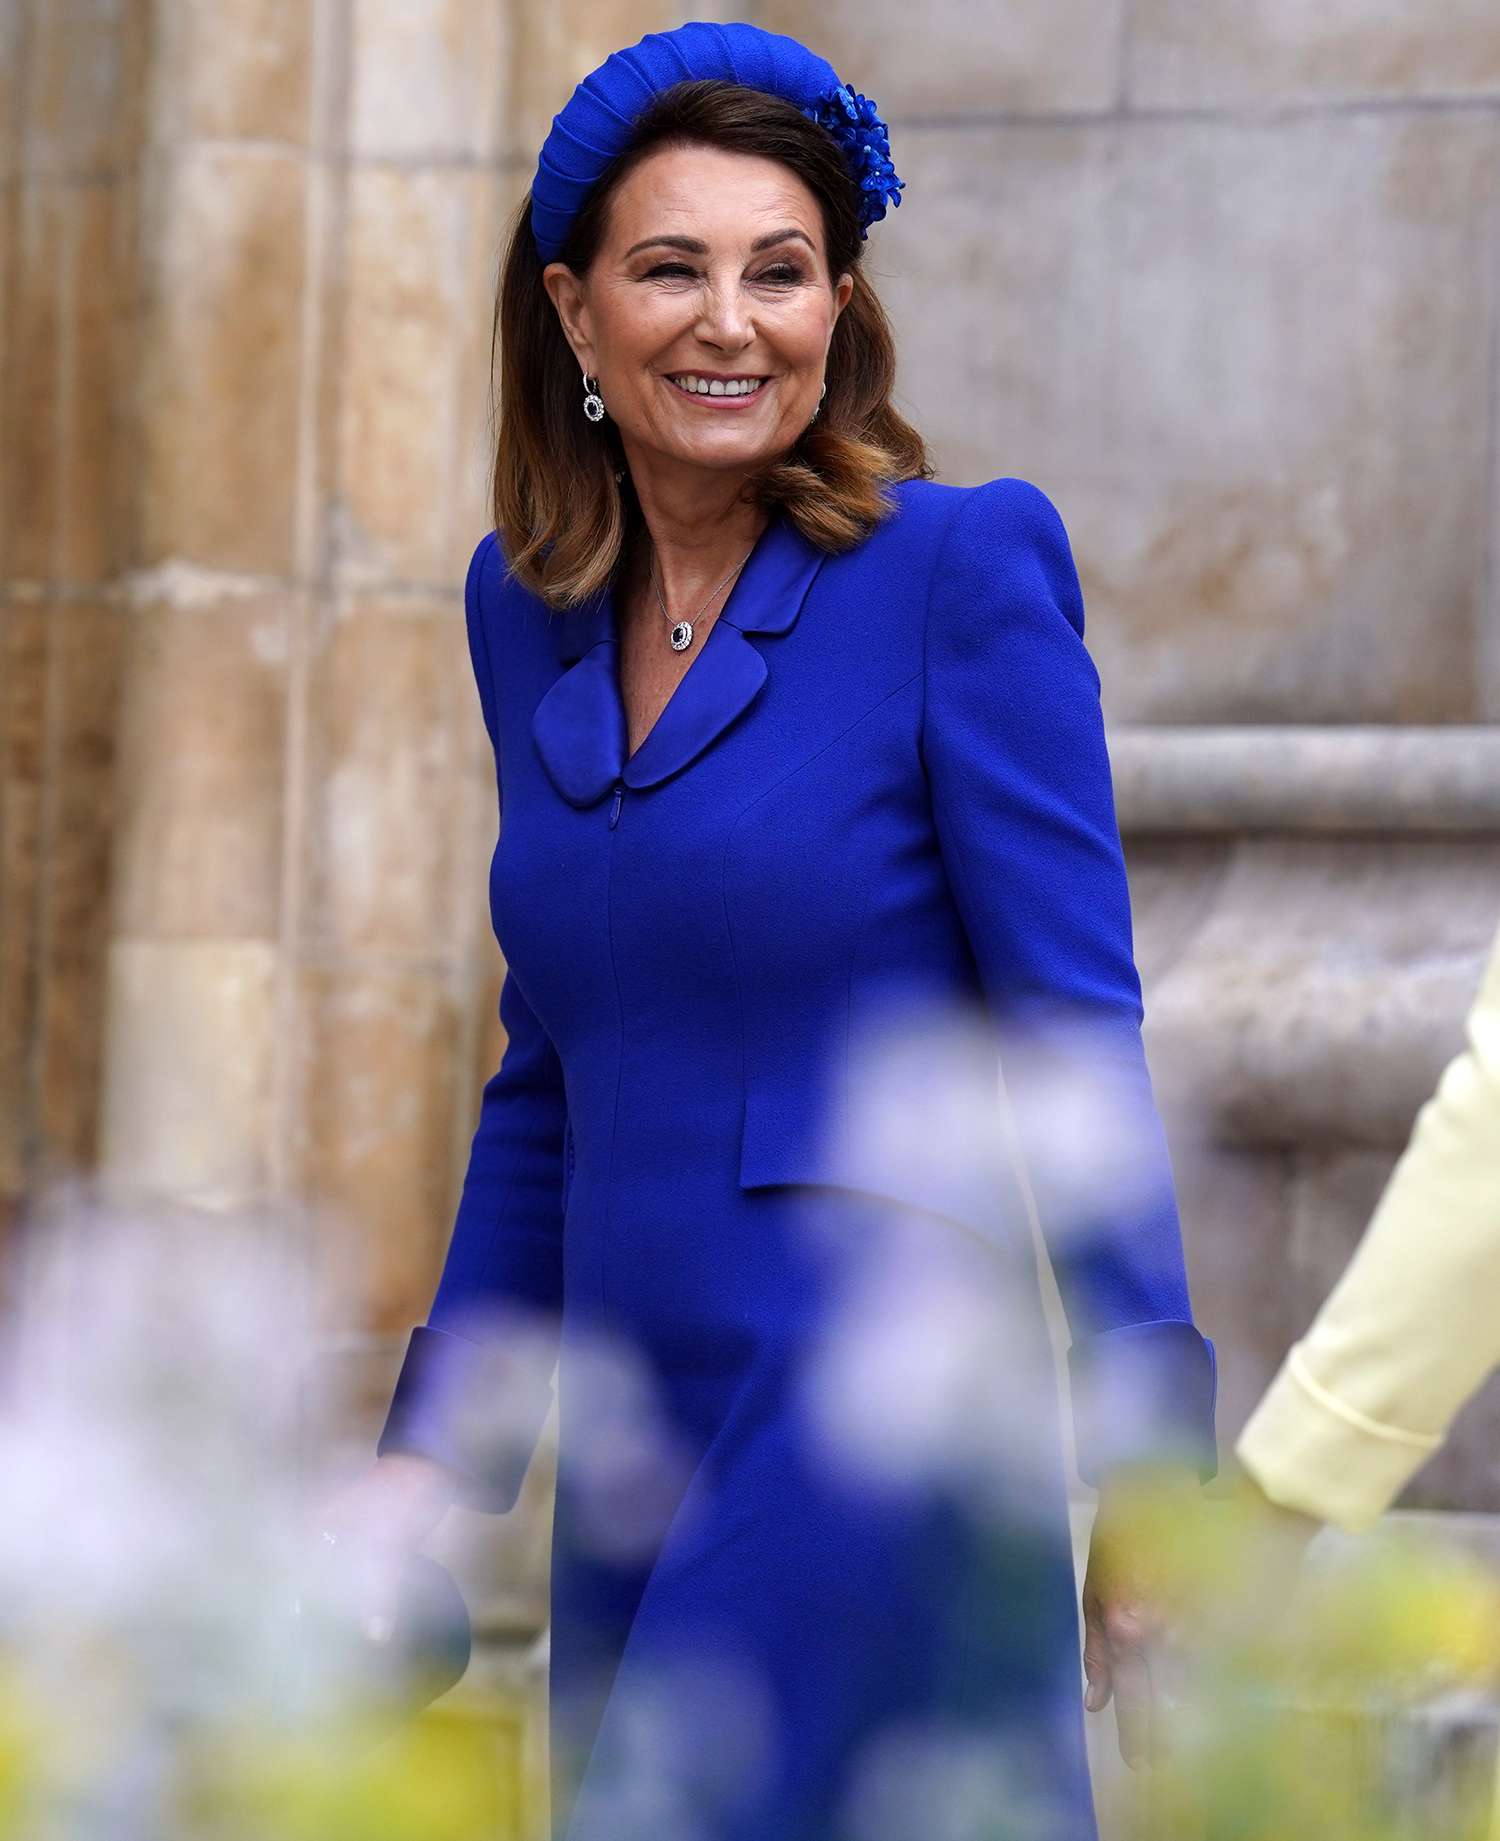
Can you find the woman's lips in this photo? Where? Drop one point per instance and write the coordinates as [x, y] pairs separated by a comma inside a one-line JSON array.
[[720, 402]]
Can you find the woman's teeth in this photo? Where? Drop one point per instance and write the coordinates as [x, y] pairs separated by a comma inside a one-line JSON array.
[[701, 386]]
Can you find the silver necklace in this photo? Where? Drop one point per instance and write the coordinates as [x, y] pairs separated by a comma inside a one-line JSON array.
[[682, 630]]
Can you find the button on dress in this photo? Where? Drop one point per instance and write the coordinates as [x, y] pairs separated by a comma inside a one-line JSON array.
[[811, 1570]]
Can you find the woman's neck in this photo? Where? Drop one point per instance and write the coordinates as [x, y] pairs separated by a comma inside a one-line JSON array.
[[696, 529]]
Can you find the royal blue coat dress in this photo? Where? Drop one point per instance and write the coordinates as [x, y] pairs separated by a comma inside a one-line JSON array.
[[880, 796]]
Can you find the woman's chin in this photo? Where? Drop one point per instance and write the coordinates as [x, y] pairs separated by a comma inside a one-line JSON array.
[[724, 454]]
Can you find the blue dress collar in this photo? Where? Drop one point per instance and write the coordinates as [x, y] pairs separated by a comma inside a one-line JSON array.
[[579, 725]]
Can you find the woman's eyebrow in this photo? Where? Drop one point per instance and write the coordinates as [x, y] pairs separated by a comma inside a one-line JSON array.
[[694, 246]]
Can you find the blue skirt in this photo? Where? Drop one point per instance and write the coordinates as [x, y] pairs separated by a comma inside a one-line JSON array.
[[811, 1569]]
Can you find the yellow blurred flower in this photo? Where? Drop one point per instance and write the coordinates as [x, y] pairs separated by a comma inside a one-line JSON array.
[[1406, 1616], [24, 1750], [443, 1777]]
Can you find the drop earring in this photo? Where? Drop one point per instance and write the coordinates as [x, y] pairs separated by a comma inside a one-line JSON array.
[[819, 404], [593, 403]]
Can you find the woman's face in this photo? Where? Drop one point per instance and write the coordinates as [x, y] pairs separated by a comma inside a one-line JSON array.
[[712, 266]]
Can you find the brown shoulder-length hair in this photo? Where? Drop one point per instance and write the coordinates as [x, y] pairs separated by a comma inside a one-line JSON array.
[[562, 518]]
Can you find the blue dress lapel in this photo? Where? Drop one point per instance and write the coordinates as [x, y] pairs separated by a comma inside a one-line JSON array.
[[579, 726]]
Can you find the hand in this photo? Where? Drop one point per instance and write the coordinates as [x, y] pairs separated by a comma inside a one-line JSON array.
[[1125, 1599], [368, 1528]]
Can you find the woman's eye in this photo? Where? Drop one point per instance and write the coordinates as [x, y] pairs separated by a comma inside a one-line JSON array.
[[782, 272]]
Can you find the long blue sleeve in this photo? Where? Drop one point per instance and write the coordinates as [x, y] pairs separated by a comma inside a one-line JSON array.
[[476, 1383], [1013, 743]]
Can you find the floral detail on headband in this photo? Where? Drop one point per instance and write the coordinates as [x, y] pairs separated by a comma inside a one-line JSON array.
[[854, 123]]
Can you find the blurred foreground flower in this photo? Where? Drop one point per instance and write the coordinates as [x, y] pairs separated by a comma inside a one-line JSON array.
[[435, 1780], [1352, 1699], [177, 1662]]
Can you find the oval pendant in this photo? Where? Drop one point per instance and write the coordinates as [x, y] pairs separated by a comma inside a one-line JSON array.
[[682, 635]]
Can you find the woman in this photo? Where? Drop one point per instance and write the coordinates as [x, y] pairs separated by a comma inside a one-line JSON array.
[[792, 742]]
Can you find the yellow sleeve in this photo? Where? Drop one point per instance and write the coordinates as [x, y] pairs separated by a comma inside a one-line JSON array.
[[1413, 1327]]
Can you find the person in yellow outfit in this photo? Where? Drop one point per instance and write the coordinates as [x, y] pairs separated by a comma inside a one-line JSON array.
[[1411, 1330]]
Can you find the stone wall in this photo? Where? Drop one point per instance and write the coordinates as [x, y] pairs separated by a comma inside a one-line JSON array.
[[69, 101]]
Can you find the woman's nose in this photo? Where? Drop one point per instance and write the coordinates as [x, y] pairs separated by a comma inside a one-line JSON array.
[[725, 317]]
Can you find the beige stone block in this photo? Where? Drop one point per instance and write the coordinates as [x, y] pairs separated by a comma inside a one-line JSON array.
[[66, 337], [412, 254], [1323, 991], [86, 642], [1203, 53], [379, 1121], [78, 63], [134, 49], [328, 308], [393, 752], [201, 779], [130, 410], [11, 82], [100, 291], [190, 1065], [10, 201], [222, 358], [233, 69], [1243, 358], [428, 82], [23, 656], [946, 59], [31, 452], [23, 693], [499, 194]]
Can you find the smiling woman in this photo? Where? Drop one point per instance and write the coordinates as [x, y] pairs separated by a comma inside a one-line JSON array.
[[722, 242], [804, 796]]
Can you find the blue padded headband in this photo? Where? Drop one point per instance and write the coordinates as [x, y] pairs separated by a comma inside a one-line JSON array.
[[596, 123]]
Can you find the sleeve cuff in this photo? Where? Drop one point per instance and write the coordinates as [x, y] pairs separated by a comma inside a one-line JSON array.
[[1144, 1394], [1309, 1450], [475, 1408]]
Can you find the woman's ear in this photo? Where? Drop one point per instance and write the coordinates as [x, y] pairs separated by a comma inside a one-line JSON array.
[[566, 292]]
